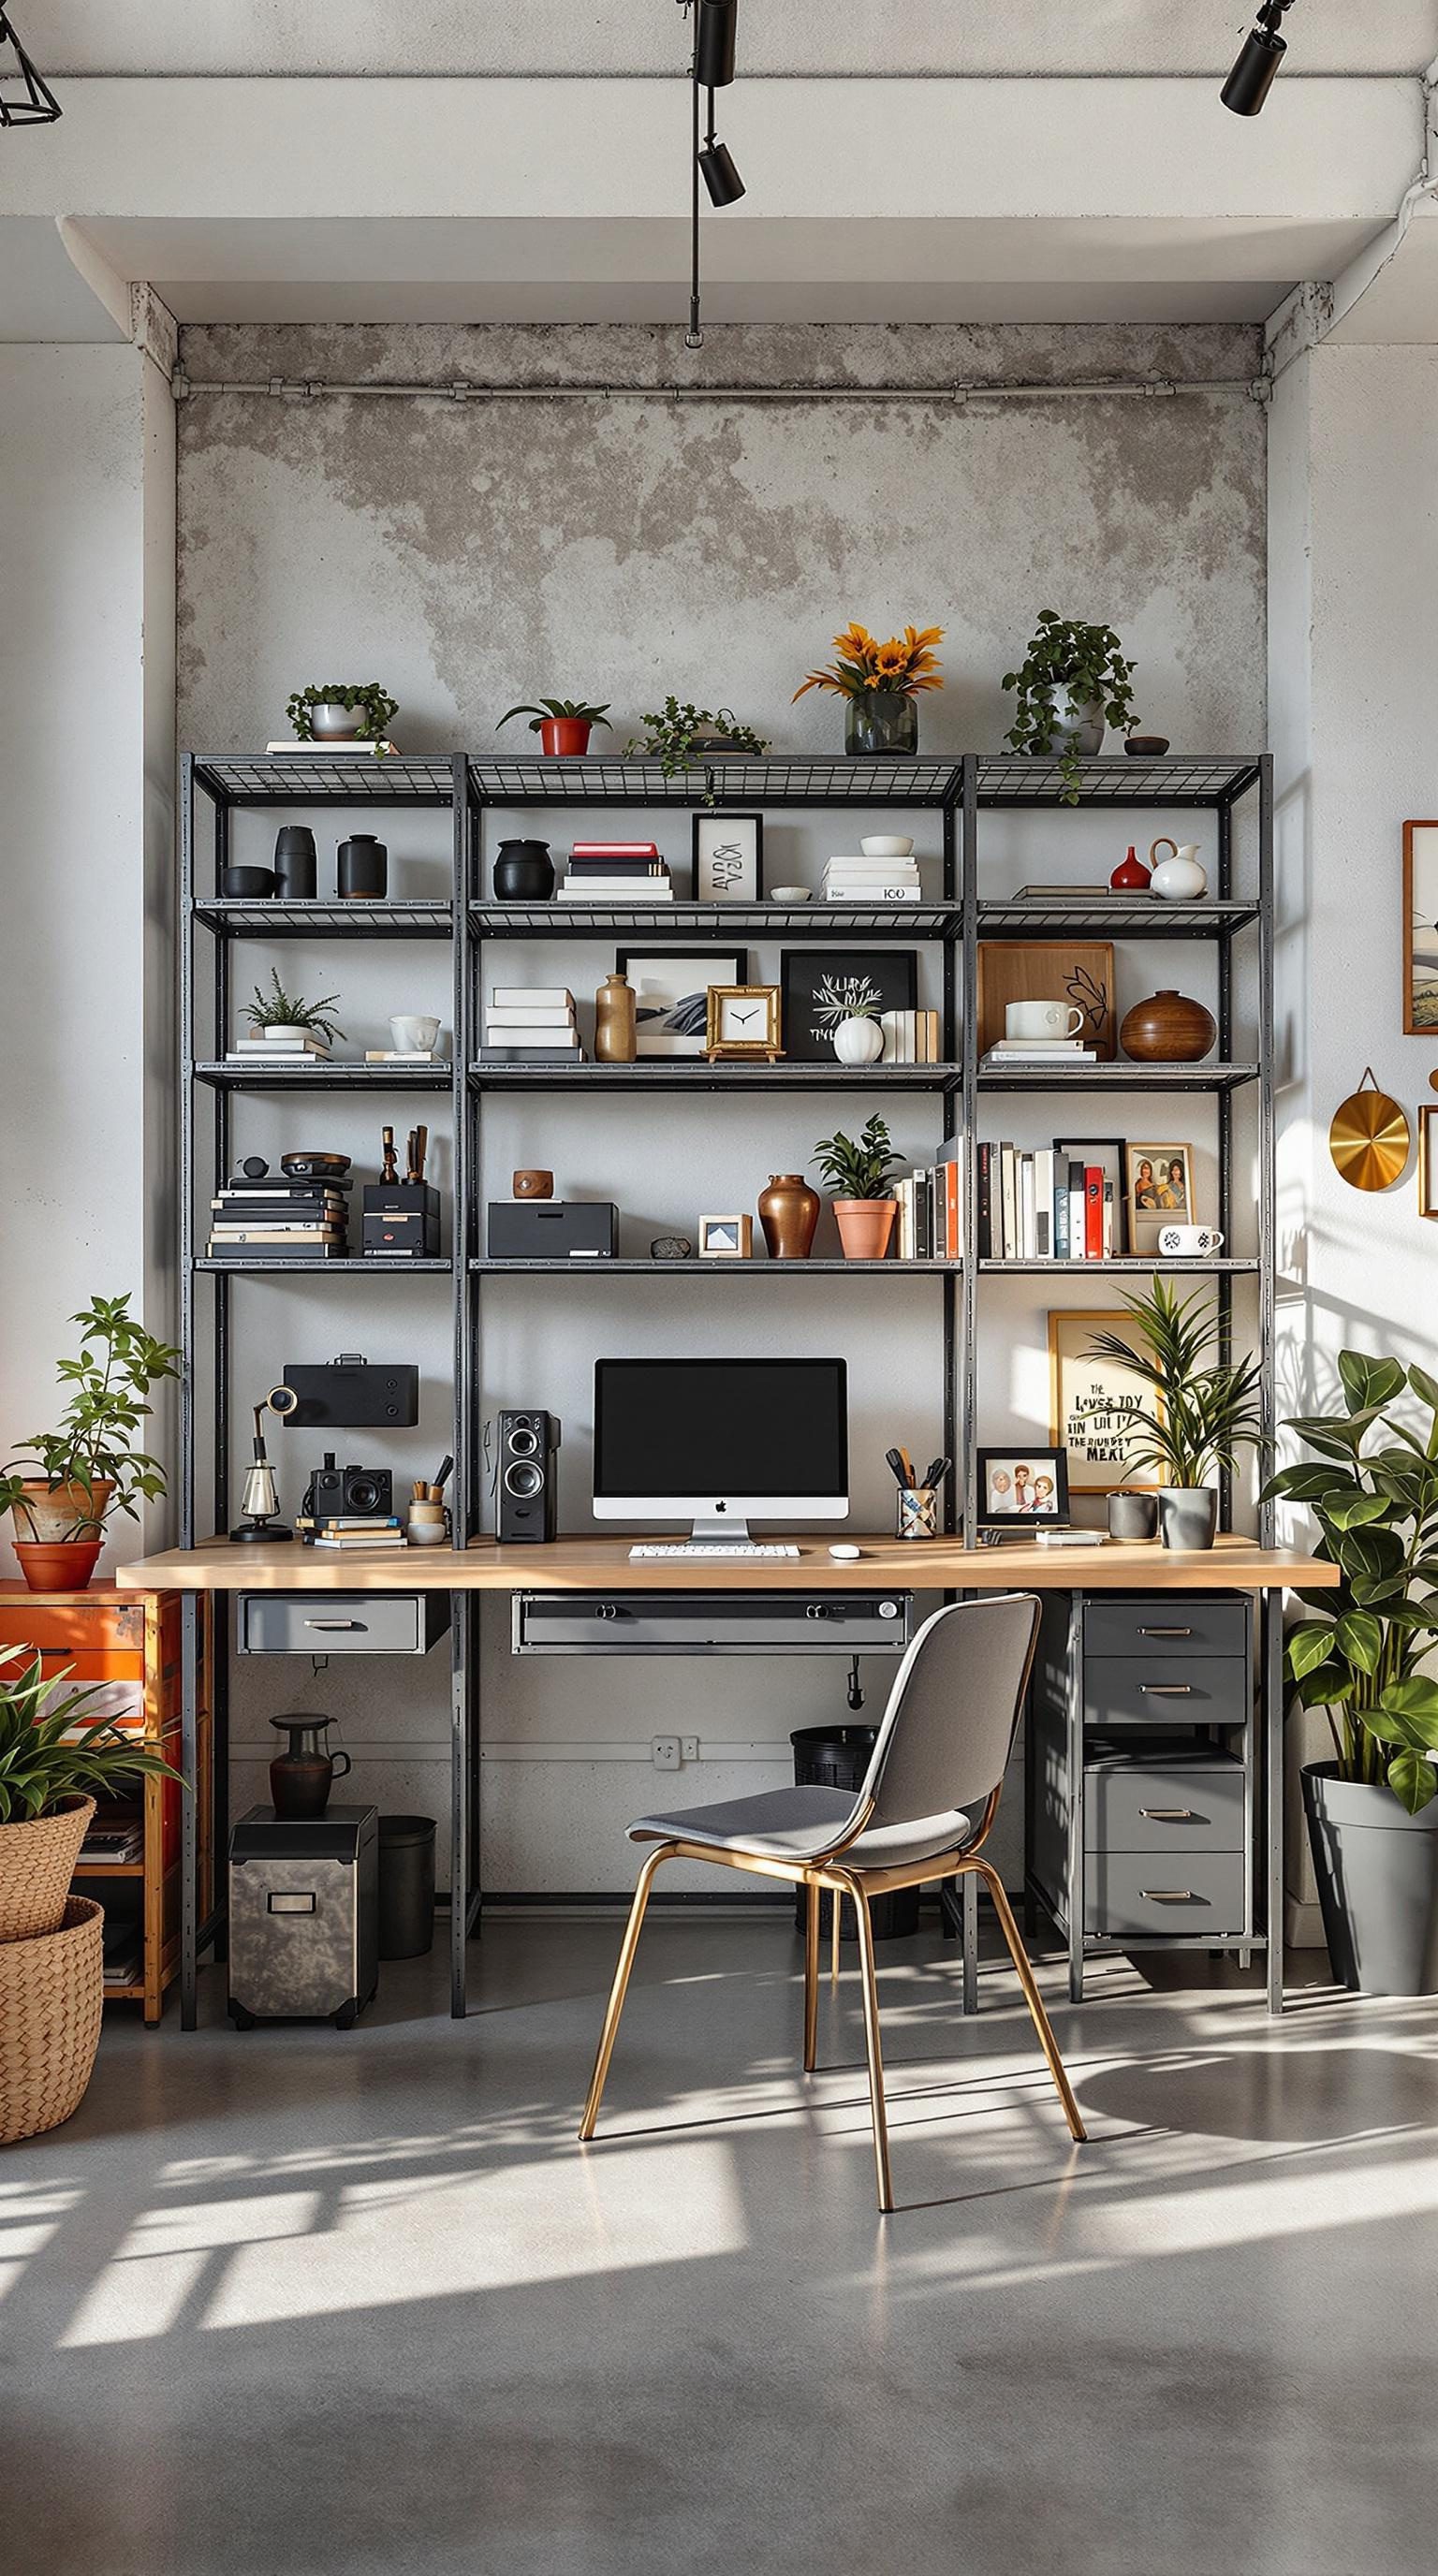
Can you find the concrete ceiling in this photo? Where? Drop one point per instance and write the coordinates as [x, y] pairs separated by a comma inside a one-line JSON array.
[[636, 37]]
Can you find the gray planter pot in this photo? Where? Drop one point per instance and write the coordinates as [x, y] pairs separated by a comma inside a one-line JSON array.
[[1377, 1873], [1132, 1516], [1077, 724], [1187, 1516]]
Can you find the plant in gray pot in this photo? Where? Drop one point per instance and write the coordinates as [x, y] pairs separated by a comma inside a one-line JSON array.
[[1208, 1409], [1072, 685], [1372, 1812]]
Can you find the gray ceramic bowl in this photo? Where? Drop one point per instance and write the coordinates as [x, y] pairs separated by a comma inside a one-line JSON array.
[[336, 724]]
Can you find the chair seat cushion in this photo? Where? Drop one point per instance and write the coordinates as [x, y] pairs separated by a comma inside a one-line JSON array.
[[800, 1825]]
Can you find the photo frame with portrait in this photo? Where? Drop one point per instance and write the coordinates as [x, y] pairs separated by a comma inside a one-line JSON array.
[[1158, 1192], [1021, 1488]]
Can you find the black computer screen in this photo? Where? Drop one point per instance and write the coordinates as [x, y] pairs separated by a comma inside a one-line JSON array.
[[720, 1427]]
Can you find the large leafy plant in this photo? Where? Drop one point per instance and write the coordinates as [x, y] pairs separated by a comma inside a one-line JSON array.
[[50, 1752], [861, 1170], [117, 1365], [1087, 662], [1208, 1408], [1377, 1509]]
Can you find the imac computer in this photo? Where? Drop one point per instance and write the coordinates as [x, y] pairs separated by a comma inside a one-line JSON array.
[[710, 1441]]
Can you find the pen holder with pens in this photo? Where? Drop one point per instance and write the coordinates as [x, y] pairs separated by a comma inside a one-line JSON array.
[[917, 1512]]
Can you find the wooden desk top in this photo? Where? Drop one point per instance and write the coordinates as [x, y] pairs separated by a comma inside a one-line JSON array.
[[602, 1564]]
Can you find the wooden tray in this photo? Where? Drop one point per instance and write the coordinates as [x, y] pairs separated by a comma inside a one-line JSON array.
[[1037, 970]]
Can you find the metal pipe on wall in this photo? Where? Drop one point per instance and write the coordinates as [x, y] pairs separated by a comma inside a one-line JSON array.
[[1118, 388]]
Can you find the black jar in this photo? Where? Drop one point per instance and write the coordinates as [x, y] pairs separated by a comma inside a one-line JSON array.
[[295, 862], [302, 1777], [362, 869], [523, 872]]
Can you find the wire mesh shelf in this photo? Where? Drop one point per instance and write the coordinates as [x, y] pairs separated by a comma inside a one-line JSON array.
[[321, 778], [275, 917], [832, 922], [1114, 917], [1195, 780], [609, 780]]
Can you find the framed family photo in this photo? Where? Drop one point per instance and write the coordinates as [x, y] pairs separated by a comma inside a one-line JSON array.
[[1095, 1404], [1159, 1191], [1021, 1485]]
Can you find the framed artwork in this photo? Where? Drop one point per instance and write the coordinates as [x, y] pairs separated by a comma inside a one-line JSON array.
[[726, 1238], [1108, 1153], [671, 994], [743, 1021], [1049, 970], [1018, 1485], [1094, 1403], [1159, 1191], [728, 858], [821, 986], [1420, 929], [1428, 1162]]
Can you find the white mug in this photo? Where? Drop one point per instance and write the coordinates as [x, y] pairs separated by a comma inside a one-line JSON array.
[[1189, 1242], [1042, 1019]]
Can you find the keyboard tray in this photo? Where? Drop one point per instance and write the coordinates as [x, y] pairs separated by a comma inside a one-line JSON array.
[[711, 1623]]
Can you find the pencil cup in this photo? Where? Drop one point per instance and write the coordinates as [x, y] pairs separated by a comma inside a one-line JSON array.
[[917, 1515]]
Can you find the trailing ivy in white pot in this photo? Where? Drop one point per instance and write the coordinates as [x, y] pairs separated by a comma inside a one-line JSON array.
[[1208, 1409], [1372, 1487], [1072, 684]]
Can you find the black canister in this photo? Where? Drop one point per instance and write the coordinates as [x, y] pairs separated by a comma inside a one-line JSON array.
[[295, 862], [406, 1886], [523, 872], [362, 868]]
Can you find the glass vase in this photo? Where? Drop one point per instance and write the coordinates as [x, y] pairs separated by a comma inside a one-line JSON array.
[[881, 722]]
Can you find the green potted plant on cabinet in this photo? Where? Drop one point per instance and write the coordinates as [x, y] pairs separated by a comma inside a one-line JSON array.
[[1072, 684], [63, 1485], [860, 1175], [341, 711], [562, 724], [1372, 1812], [1208, 1409]]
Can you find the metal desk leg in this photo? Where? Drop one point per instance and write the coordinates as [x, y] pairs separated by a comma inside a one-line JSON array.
[[1077, 1892], [459, 1801], [970, 1884], [1272, 1717], [189, 1808]]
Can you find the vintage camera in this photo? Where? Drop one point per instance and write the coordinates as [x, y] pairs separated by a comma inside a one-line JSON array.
[[349, 1493]]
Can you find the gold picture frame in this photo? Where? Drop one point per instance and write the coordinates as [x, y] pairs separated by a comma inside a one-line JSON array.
[[754, 1004], [1090, 1400], [1428, 1162]]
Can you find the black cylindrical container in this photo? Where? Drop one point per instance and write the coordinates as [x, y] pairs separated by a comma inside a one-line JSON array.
[[837, 1757], [295, 862], [523, 872], [362, 868], [406, 1886], [245, 883]]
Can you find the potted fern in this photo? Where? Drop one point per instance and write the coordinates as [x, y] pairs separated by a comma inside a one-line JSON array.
[[277, 1015], [54, 1762], [1208, 1409], [860, 1174], [63, 1485], [1072, 684], [1372, 1487]]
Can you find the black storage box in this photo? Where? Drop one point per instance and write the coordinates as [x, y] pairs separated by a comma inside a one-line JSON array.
[[401, 1217], [304, 1916], [553, 1229]]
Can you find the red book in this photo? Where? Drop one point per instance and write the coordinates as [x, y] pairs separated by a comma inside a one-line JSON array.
[[1093, 1212], [615, 850], [951, 1211]]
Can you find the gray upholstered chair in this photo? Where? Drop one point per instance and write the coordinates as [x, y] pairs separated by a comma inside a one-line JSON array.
[[924, 1811]]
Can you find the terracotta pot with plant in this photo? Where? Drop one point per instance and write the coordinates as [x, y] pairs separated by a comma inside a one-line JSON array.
[[1208, 1408], [562, 724], [860, 1176], [64, 1484], [880, 683]]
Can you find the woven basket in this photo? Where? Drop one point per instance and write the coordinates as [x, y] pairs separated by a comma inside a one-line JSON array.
[[52, 1994], [37, 1863]]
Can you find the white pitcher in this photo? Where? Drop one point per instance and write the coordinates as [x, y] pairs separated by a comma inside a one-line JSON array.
[[1179, 879]]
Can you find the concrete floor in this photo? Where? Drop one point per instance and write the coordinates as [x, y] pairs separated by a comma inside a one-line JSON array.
[[297, 2301]]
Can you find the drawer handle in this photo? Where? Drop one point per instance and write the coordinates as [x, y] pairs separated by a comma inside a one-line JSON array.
[[1169, 1815], [1166, 1895], [334, 1623], [1165, 1632], [1165, 1690]]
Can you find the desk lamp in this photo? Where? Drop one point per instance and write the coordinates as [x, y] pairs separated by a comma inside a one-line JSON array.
[[259, 1502]]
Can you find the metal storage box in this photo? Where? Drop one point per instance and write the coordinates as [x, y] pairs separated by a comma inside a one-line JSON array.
[[304, 1916]]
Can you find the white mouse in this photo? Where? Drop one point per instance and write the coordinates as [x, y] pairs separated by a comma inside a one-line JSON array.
[[845, 1549]]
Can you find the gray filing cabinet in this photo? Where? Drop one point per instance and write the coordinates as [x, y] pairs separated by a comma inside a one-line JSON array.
[[1140, 1776]]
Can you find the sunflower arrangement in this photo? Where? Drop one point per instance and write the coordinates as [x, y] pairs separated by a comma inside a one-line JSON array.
[[900, 668]]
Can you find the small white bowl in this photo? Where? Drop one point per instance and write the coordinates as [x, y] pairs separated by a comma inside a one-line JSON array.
[[791, 894], [887, 845]]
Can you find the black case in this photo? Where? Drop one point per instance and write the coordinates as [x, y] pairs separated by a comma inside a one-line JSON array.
[[399, 1217], [350, 1393], [553, 1229]]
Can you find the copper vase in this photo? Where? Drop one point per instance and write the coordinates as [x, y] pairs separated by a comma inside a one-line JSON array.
[[1168, 1028], [614, 1022], [788, 1213]]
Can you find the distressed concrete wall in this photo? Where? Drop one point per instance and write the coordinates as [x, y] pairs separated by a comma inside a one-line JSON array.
[[474, 557]]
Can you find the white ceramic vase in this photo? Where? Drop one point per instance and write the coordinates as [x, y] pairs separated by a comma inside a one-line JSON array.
[[858, 1042], [1179, 879]]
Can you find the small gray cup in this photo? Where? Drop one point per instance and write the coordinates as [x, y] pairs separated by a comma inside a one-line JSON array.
[[1132, 1516]]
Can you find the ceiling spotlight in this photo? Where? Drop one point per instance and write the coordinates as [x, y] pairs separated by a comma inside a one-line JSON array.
[[25, 98], [716, 169], [1252, 76], [711, 68], [714, 43]]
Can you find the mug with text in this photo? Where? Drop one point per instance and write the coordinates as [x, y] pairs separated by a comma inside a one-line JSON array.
[[1189, 1242], [1042, 1019]]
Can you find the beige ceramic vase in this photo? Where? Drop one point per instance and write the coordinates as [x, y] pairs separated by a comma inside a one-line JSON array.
[[614, 1038]]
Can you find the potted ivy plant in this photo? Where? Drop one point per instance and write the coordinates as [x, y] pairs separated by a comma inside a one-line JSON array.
[[1372, 1812], [343, 711], [681, 736], [278, 1014], [1208, 1409], [860, 1175], [63, 1485], [562, 724], [1072, 683]]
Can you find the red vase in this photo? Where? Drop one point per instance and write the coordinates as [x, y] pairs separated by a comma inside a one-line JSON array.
[[1132, 877], [564, 737]]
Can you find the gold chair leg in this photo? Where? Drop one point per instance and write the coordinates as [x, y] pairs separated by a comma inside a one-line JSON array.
[[1032, 1997], [871, 2039], [836, 1934], [811, 1976], [620, 1987]]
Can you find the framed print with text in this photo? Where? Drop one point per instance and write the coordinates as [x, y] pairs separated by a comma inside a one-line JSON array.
[[1095, 1403]]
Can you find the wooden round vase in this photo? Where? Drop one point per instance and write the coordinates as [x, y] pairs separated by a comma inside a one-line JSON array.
[[1168, 1028], [614, 1023], [788, 1213]]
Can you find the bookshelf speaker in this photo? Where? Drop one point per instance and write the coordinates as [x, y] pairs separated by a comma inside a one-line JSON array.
[[528, 1477]]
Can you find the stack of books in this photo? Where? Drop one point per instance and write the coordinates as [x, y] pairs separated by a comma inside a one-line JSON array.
[[1044, 1206], [911, 1037], [616, 872], [119, 1845], [1054, 1051], [279, 1220], [929, 1225], [266, 1047], [861, 880], [345, 1532], [531, 1024]]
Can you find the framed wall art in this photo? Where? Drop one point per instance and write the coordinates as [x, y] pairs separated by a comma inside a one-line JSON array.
[[1420, 929], [1094, 1404], [728, 858], [821, 986], [671, 994]]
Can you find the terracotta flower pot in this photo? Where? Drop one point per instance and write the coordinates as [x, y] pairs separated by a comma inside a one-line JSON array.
[[50, 1512], [58, 1565], [37, 1863], [564, 737], [865, 1226]]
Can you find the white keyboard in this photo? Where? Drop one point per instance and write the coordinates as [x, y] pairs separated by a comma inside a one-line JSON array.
[[710, 1548]]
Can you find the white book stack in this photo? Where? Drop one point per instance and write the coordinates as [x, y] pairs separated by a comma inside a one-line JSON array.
[[531, 1023], [849, 879], [279, 1046], [1055, 1051]]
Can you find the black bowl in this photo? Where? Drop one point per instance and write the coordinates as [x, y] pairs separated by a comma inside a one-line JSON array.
[[247, 881], [315, 1167]]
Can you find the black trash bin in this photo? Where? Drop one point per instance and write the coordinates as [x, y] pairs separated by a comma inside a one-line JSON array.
[[837, 1757], [406, 1886]]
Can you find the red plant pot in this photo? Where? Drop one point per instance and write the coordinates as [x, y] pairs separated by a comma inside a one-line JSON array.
[[564, 737], [58, 1565]]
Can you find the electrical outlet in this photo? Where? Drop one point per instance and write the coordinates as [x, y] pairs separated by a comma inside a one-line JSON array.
[[689, 1747], [666, 1755]]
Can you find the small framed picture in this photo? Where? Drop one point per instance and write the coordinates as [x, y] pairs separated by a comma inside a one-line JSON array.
[[1160, 1192], [743, 1020], [726, 1238], [1420, 929], [728, 858], [822, 986], [1428, 1162], [1095, 1405], [671, 994], [1017, 1485]]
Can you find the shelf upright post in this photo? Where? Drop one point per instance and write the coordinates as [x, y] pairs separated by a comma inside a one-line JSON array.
[[951, 1286], [461, 1678], [969, 1034], [185, 1212], [1272, 1644], [1225, 1127]]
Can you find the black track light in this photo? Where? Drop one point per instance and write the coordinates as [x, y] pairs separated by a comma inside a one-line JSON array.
[[1253, 75], [25, 98], [714, 43], [716, 167]]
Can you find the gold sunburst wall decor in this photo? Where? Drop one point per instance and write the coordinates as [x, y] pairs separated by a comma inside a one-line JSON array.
[[1369, 1138]]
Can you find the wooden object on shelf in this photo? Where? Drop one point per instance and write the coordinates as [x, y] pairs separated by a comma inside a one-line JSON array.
[[614, 1021], [104, 1635], [1039, 970], [1167, 1028]]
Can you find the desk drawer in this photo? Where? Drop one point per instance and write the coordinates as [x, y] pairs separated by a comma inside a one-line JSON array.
[[1149, 1807], [1120, 1691], [711, 1623], [340, 1623], [1132, 1895], [1163, 1624]]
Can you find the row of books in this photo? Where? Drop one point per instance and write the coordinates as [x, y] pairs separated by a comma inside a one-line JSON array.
[[531, 1024], [865, 880], [349, 1533], [1044, 1206], [911, 1037], [929, 1224], [616, 872], [282, 1220]]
